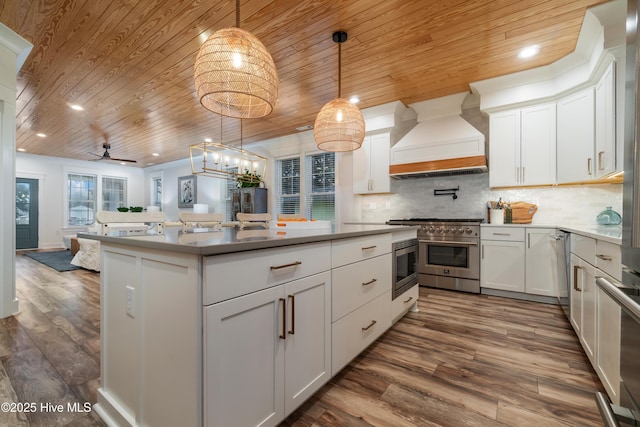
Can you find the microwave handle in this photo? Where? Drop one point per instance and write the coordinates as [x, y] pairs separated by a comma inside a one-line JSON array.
[[612, 415]]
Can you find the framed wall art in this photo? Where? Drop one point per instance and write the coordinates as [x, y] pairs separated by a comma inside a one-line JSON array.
[[187, 191]]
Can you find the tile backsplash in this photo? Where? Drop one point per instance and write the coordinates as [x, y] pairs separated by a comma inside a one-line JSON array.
[[412, 198]]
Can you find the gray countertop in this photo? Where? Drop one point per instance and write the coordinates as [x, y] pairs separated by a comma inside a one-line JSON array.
[[231, 239], [607, 233]]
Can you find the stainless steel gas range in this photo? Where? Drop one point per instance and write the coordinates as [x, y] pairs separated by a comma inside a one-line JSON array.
[[448, 252]]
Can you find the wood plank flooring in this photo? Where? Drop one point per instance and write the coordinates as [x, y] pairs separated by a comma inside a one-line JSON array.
[[463, 360]]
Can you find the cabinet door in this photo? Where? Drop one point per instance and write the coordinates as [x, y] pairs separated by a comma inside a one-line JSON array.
[[538, 145], [362, 167], [575, 137], [244, 360], [541, 266], [588, 332], [605, 136], [575, 297], [608, 347], [308, 338], [504, 148], [502, 265], [380, 180]]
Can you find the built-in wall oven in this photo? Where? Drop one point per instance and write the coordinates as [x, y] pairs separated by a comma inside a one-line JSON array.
[[448, 252], [405, 261]]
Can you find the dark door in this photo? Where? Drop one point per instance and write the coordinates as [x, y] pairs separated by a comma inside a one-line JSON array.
[[26, 213]]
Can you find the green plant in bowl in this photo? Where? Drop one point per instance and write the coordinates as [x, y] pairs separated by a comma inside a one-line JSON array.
[[136, 208], [123, 209]]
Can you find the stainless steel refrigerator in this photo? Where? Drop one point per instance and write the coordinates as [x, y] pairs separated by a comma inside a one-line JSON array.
[[626, 293]]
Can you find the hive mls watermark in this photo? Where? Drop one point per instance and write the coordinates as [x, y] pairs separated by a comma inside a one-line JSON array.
[[30, 407]]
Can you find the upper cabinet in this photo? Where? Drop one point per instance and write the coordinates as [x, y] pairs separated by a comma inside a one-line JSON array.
[[371, 165], [605, 151], [576, 137], [522, 147]]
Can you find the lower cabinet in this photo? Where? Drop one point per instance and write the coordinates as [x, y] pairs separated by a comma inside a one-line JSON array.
[[583, 304], [608, 343], [502, 258], [269, 351], [541, 265]]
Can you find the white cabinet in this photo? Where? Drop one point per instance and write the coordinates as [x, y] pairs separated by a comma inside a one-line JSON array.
[[575, 133], [502, 258], [583, 293], [268, 352], [523, 146], [371, 165], [540, 262], [605, 136], [608, 345]]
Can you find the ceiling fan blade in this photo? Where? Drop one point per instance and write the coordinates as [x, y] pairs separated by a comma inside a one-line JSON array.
[[94, 154], [123, 160]]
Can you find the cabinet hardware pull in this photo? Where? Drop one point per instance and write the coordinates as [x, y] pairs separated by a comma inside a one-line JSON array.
[[604, 257], [523, 179], [370, 282], [482, 251], [575, 277], [600, 161], [292, 331], [528, 240], [589, 166], [369, 247], [293, 264], [408, 300], [502, 234], [283, 335], [373, 322]]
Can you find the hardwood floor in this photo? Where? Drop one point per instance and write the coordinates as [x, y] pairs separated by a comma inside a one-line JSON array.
[[463, 360]]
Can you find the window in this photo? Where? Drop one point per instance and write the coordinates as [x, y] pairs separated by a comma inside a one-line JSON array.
[[320, 186], [81, 197], [288, 186], [156, 191], [114, 193]]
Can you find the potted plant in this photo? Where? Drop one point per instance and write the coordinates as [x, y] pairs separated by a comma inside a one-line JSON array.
[[248, 179]]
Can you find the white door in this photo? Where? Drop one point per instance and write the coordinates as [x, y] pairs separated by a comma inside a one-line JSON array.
[[308, 338], [504, 148], [575, 298], [605, 137], [538, 146], [362, 167], [541, 266], [575, 137], [244, 360]]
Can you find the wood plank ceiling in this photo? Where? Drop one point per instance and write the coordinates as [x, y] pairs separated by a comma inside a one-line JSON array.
[[130, 63]]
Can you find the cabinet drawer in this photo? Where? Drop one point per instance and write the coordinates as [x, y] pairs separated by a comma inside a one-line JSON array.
[[584, 247], [355, 331], [512, 234], [347, 251], [232, 275], [356, 284], [608, 259], [404, 302]]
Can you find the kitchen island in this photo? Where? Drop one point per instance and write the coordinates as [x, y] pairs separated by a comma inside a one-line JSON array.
[[237, 327]]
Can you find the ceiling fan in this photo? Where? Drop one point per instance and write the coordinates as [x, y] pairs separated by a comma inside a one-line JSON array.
[[107, 156]]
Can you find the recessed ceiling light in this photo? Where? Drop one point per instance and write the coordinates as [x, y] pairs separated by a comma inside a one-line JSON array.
[[155, 154], [22, 150], [76, 107], [150, 164], [123, 163], [41, 135], [208, 140], [354, 99], [529, 52]]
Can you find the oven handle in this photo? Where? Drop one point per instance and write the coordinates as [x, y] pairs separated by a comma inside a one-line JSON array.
[[622, 299], [448, 242]]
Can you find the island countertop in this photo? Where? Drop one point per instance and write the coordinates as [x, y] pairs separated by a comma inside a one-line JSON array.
[[230, 239]]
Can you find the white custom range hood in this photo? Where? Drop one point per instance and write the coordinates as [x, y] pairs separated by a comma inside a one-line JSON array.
[[442, 143]]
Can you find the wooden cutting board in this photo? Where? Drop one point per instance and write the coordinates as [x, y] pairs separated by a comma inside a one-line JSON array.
[[522, 212]]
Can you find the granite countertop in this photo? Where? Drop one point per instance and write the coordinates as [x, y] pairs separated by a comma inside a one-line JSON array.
[[607, 233], [231, 239]]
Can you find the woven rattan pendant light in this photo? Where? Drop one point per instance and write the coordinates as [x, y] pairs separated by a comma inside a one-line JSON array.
[[339, 125], [235, 75]]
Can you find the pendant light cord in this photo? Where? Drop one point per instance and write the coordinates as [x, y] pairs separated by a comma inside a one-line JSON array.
[[237, 13], [339, 69]]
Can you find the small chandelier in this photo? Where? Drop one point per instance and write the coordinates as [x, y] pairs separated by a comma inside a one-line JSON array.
[[339, 125], [219, 160], [235, 75]]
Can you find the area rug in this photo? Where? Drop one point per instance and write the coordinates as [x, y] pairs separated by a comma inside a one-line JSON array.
[[58, 260]]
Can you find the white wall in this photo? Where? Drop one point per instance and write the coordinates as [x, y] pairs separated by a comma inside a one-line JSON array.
[[51, 174]]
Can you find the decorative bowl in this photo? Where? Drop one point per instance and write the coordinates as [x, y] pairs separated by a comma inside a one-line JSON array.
[[123, 209], [136, 208]]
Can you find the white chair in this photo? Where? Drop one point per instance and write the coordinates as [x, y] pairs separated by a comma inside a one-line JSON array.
[[192, 220], [253, 220]]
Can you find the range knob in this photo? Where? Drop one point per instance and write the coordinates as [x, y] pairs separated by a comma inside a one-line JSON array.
[[469, 231], [461, 230], [446, 229], [431, 229], [438, 229]]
